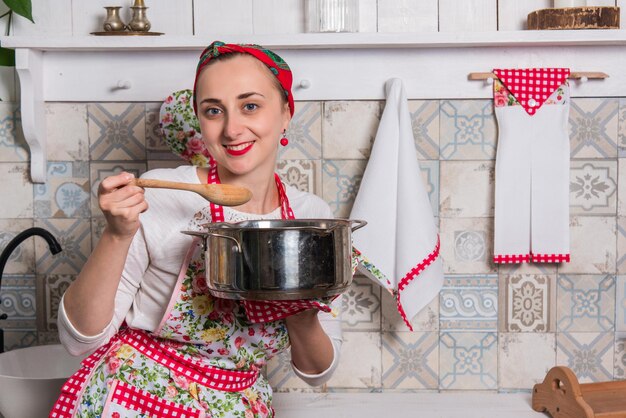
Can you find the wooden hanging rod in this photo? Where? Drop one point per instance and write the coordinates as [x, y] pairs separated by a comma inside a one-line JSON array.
[[574, 75]]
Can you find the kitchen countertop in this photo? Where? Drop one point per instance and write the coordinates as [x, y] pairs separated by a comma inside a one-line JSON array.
[[397, 405]]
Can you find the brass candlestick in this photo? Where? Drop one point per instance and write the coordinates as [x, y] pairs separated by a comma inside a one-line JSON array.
[[139, 22]]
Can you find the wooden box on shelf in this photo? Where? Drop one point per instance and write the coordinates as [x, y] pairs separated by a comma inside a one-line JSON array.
[[574, 18]]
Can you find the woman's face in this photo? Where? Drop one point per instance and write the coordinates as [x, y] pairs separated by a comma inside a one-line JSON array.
[[241, 114]]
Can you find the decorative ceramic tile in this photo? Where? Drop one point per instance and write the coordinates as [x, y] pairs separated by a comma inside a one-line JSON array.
[[588, 354], [15, 182], [528, 268], [50, 289], [360, 308], [527, 303], [622, 128], [620, 304], [593, 187], [467, 245], [304, 133], [469, 303], [18, 301], [585, 303], [341, 181], [467, 189], [117, 131], [19, 339], [22, 259], [156, 148], [349, 129], [621, 187], [426, 320], [362, 370], [97, 228], [74, 236], [620, 359], [65, 193], [425, 121], [48, 337], [410, 360], [468, 130], [430, 176], [281, 376], [593, 128], [593, 245], [524, 359], [305, 175], [67, 130], [13, 147], [99, 171], [468, 360]]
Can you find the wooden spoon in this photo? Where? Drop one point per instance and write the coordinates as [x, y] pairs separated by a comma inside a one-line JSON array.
[[221, 194]]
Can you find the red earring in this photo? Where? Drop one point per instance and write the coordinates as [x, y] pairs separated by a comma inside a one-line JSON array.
[[284, 141]]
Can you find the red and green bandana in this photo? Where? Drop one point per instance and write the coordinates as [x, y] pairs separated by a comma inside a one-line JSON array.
[[277, 66]]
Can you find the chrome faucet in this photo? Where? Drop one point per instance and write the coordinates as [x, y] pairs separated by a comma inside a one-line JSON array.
[[55, 248]]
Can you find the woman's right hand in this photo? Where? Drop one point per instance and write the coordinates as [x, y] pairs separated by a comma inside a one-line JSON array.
[[121, 202]]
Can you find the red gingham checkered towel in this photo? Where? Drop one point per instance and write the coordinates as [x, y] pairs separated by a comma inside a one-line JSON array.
[[532, 86], [273, 310]]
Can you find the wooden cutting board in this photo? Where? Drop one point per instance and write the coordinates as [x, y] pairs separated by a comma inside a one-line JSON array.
[[574, 18]]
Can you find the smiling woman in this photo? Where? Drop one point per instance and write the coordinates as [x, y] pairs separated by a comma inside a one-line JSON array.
[[182, 348]]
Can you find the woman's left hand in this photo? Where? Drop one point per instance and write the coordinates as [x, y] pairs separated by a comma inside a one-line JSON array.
[[311, 349]]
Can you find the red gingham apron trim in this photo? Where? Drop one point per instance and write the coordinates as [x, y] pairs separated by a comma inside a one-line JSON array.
[[143, 402], [532, 86], [511, 258], [259, 312], [551, 258], [411, 275], [73, 387], [217, 211], [212, 377]]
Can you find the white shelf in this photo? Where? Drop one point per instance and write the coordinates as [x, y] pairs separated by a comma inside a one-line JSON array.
[[305, 41], [343, 66]]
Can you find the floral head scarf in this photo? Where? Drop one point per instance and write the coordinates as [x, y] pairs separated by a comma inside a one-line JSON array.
[[276, 65]]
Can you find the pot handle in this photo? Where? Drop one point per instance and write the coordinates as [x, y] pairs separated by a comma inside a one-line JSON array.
[[203, 235], [359, 224], [213, 234]]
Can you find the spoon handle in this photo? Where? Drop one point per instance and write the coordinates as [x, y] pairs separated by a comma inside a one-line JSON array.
[[164, 184]]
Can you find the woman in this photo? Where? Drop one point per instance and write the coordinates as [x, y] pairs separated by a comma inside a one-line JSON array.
[[183, 350]]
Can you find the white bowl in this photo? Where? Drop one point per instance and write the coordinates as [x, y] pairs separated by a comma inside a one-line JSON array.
[[31, 379]]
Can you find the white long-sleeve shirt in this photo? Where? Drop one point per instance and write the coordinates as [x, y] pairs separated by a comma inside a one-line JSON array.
[[155, 258]]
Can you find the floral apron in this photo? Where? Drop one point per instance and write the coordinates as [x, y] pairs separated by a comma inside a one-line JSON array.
[[203, 360]]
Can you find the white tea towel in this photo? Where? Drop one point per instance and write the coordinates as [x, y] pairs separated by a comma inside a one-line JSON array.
[[531, 220], [400, 241]]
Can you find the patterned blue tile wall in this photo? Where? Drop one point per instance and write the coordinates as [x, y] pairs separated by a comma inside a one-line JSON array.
[[492, 328]]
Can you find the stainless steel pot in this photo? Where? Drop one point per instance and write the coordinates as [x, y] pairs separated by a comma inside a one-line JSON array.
[[279, 259]]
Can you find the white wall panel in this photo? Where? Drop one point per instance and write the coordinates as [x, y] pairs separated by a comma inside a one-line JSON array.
[[222, 17], [513, 14], [368, 16], [600, 2], [622, 13], [467, 15], [52, 17], [169, 17], [278, 16], [407, 16]]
